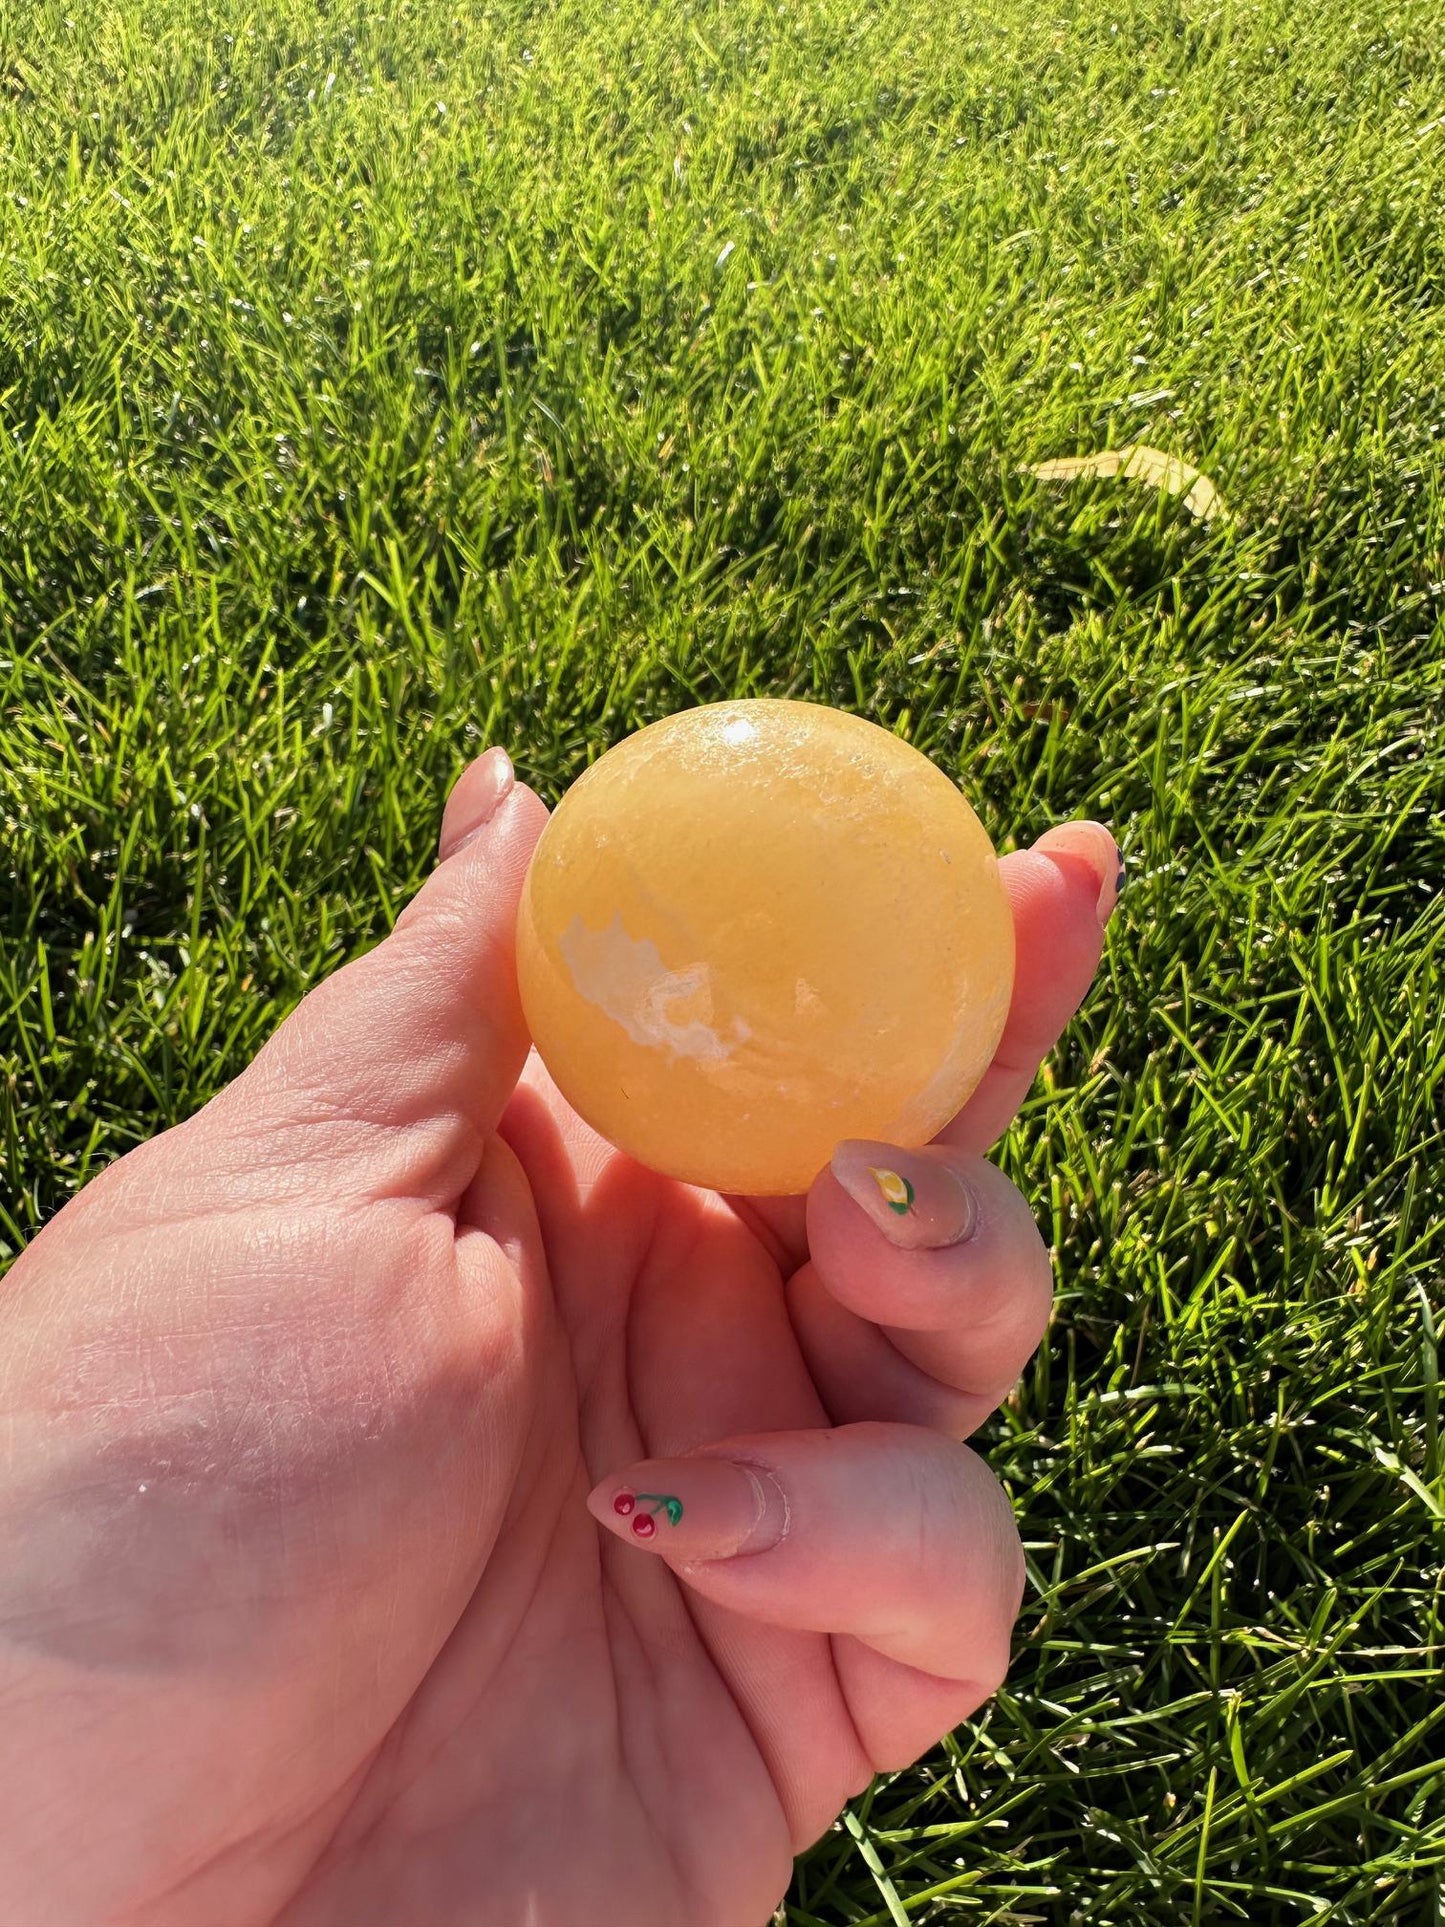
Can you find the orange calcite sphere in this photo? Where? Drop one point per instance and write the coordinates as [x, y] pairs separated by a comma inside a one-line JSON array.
[[755, 928]]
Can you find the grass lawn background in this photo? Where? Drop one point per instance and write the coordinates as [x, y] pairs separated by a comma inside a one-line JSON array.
[[381, 380]]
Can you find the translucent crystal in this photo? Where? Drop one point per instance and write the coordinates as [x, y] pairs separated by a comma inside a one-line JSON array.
[[755, 928]]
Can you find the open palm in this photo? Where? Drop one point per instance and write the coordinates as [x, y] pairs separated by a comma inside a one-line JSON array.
[[315, 1403]]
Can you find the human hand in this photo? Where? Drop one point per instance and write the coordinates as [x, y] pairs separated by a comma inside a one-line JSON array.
[[303, 1617]]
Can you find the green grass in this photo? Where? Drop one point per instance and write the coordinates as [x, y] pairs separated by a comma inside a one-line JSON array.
[[380, 380]]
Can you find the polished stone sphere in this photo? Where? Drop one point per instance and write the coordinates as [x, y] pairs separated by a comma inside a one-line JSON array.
[[756, 928]]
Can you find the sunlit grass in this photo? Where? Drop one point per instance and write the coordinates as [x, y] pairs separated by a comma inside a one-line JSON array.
[[379, 381]]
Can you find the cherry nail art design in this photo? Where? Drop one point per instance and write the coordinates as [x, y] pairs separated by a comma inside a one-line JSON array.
[[645, 1523]]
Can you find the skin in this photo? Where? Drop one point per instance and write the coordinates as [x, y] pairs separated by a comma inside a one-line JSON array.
[[304, 1618]]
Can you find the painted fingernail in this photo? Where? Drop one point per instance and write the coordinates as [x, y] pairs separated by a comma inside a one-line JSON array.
[[479, 794], [694, 1508], [1095, 844], [918, 1202]]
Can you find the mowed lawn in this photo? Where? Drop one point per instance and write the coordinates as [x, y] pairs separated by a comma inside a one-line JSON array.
[[378, 381]]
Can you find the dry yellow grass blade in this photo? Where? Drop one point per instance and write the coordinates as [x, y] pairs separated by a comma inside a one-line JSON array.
[[1136, 463]]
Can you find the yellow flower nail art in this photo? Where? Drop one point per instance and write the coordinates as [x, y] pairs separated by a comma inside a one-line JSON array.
[[898, 1191]]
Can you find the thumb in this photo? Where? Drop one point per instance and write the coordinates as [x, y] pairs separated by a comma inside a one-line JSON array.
[[894, 1540], [401, 1064], [889, 1532]]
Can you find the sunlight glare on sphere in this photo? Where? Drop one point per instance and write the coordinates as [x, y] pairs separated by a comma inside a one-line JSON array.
[[758, 927]]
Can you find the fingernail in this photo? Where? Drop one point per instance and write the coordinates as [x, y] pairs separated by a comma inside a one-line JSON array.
[[478, 796], [917, 1202], [693, 1508], [1094, 842]]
